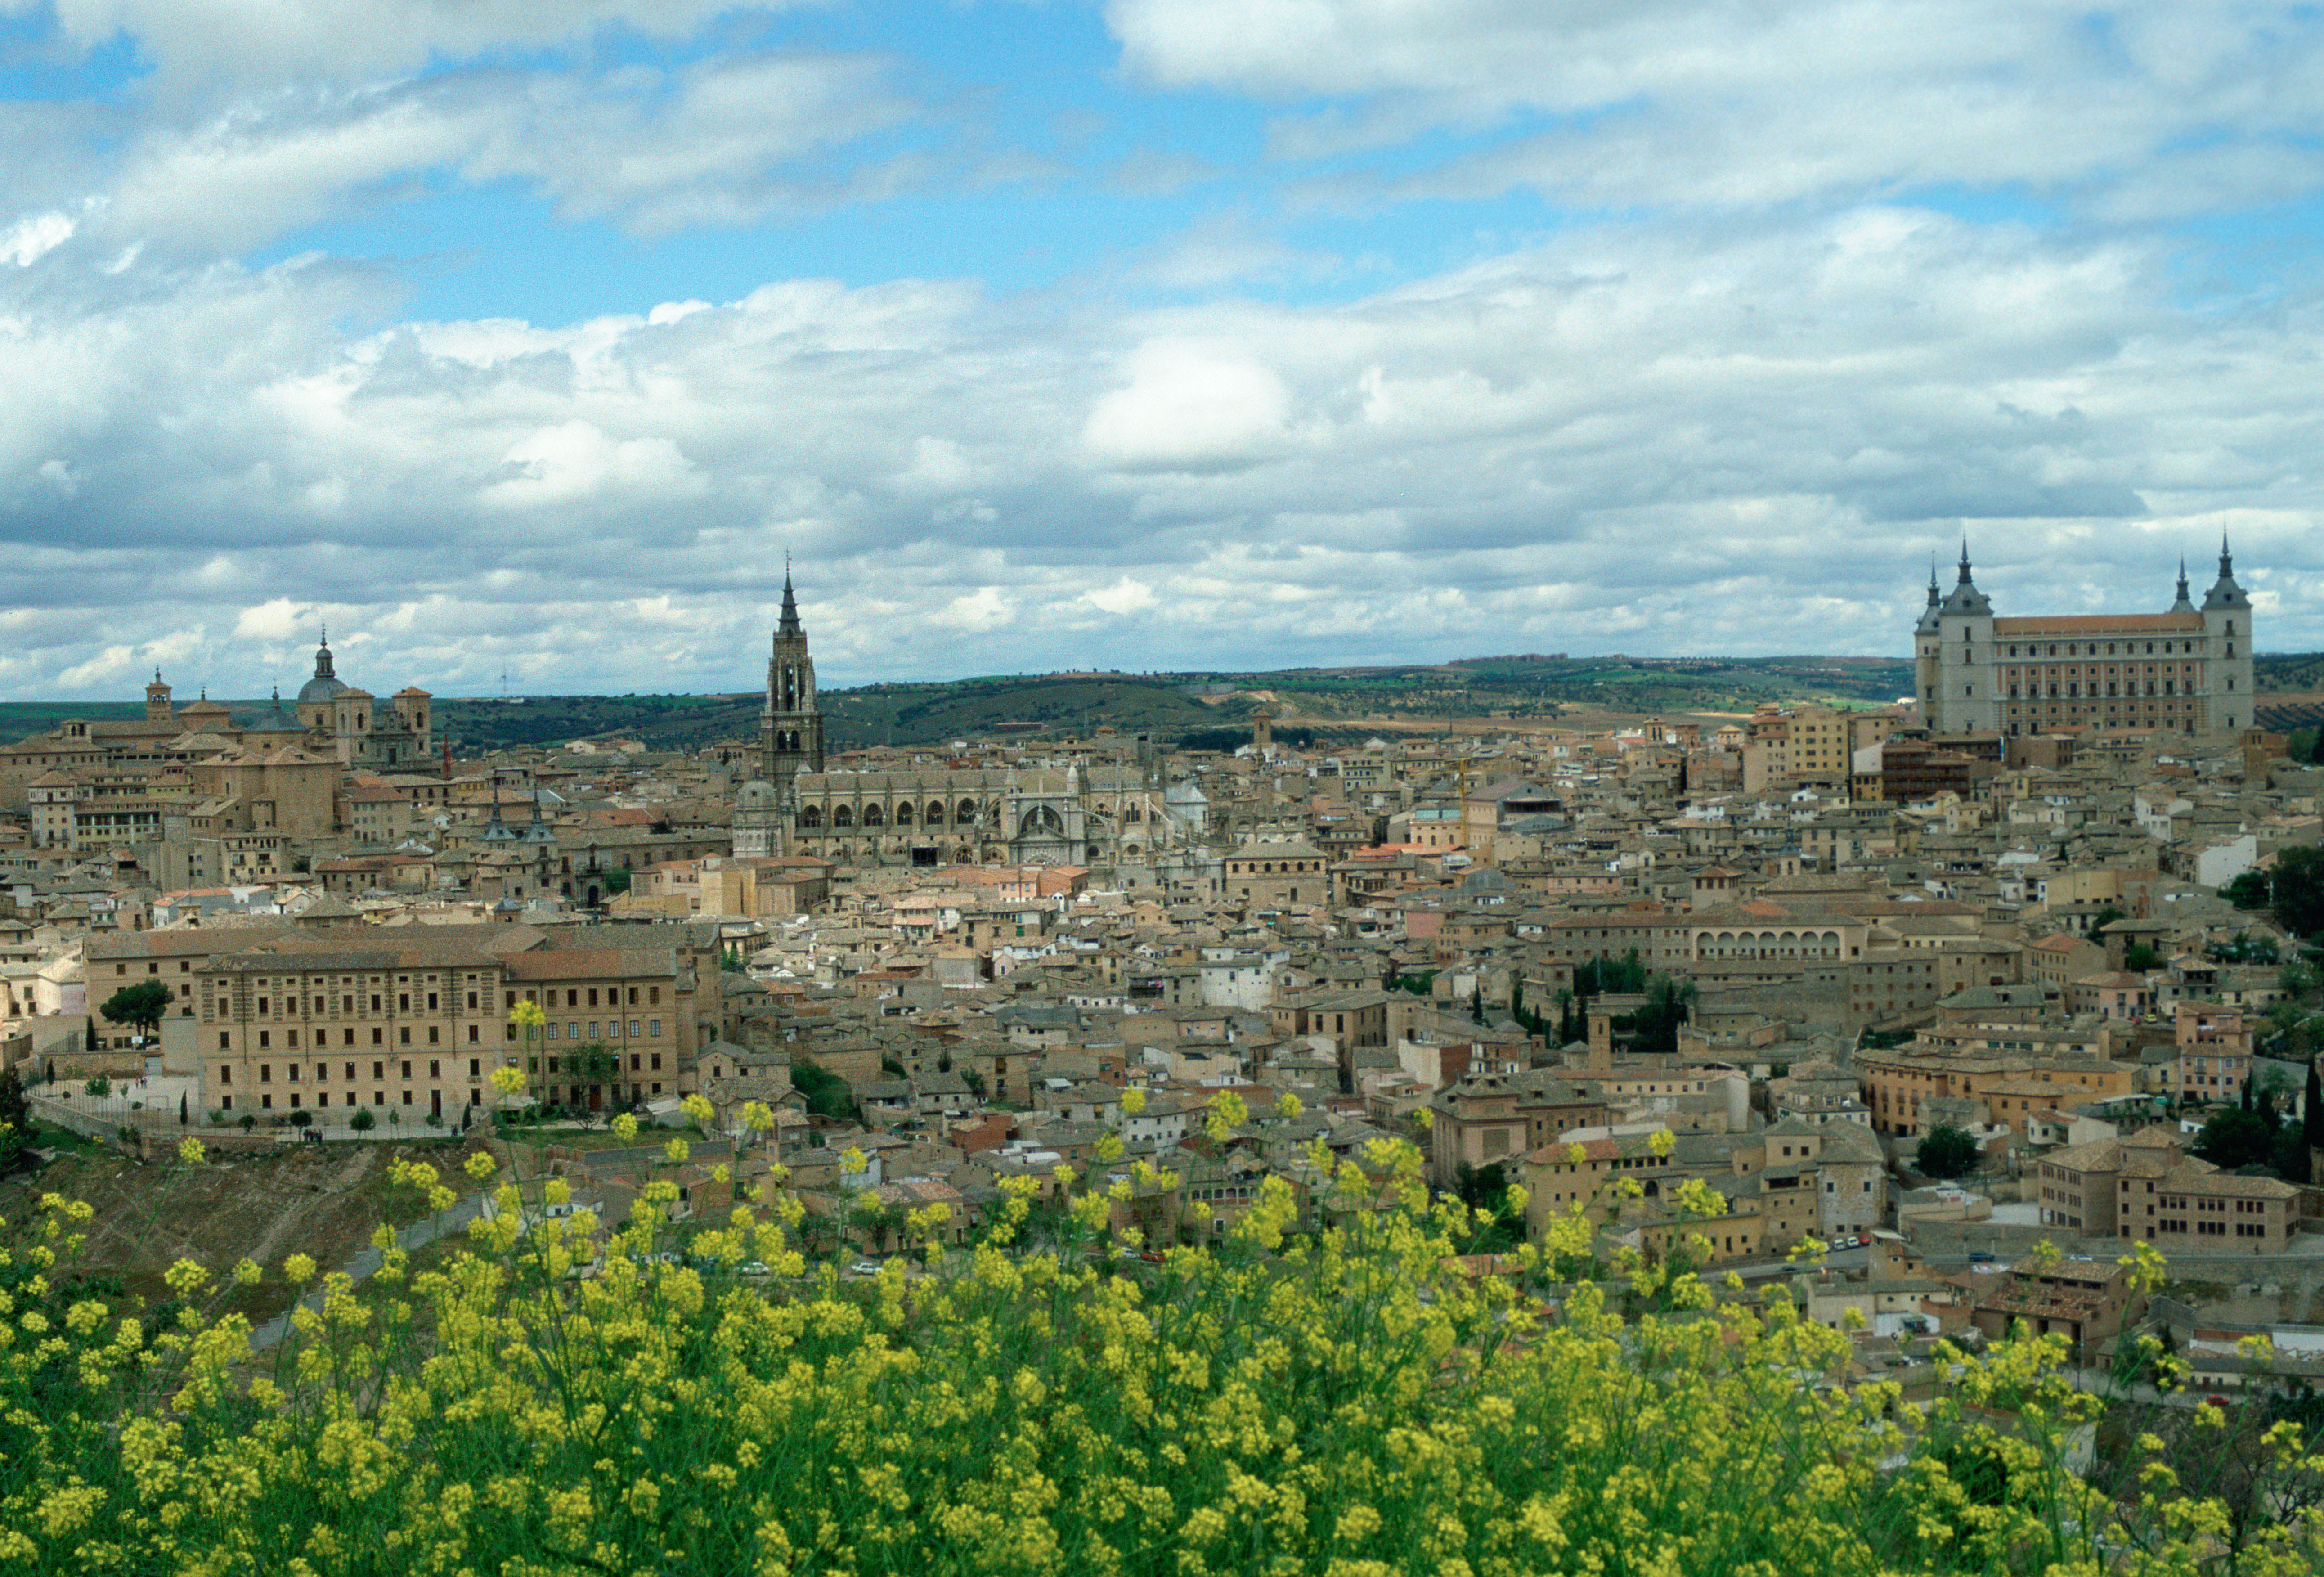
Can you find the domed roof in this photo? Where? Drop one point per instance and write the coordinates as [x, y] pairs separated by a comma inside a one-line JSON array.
[[325, 685]]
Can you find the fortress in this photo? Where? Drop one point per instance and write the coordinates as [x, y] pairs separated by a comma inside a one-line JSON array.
[[2186, 669]]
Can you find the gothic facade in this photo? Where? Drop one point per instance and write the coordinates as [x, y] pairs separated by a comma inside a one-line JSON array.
[[1106, 815]]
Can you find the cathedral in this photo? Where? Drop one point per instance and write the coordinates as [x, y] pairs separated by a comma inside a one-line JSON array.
[[1112, 816], [2186, 669]]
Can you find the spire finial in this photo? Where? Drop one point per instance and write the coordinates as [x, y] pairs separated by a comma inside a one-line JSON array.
[[2227, 558], [1964, 561]]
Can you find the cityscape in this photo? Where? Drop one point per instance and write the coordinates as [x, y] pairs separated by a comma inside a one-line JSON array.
[[1308, 788]]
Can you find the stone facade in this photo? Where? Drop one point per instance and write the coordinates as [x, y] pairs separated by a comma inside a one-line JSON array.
[[2185, 670]]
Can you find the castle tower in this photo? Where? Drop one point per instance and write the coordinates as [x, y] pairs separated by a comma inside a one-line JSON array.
[[2227, 638], [157, 701], [1967, 697], [791, 727]]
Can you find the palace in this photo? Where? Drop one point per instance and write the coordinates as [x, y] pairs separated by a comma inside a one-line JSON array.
[[2186, 670]]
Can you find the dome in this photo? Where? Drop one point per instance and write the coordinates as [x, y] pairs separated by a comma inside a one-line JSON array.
[[325, 685]]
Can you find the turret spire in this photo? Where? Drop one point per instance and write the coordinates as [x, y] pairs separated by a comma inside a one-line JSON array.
[[2185, 603], [1964, 561], [789, 628]]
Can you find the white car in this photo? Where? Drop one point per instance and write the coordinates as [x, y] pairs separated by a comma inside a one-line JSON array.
[[864, 1267]]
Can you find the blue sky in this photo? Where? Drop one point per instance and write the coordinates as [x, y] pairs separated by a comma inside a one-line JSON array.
[[1155, 334]]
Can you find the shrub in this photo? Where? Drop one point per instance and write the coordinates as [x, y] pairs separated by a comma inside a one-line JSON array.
[[1347, 1400], [362, 1121], [1946, 1151]]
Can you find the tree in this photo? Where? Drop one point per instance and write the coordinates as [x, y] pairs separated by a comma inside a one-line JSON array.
[[99, 1087], [2247, 891], [827, 1095], [362, 1121], [2139, 960], [139, 1006], [616, 882], [974, 1081], [1946, 1151], [2296, 891], [2107, 915], [16, 1119], [2311, 1119], [2235, 1137]]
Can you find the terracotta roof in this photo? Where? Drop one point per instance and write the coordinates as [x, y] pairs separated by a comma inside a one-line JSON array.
[[2101, 624]]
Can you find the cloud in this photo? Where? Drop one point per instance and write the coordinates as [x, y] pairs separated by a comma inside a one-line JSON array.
[[33, 238], [1190, 405], [196, 47], [1700, 104], [1651, 436]]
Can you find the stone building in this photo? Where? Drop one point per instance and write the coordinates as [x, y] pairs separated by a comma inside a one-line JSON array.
[[2186, 670], [1102, 814], [347, 723]]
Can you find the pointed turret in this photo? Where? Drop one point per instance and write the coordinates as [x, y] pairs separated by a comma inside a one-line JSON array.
[[2224, 592], [1927, 624], [1966, 598], [496, 831], [789, 628], [2185, 605]]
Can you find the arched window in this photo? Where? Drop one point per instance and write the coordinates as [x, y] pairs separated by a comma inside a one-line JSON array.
[[967, 814], [935, 816], [843, 816], [1041, 822], [871, 816], [904, 813], [812, 817]]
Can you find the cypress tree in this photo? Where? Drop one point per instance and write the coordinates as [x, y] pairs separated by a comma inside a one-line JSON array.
[[2311, 1119]]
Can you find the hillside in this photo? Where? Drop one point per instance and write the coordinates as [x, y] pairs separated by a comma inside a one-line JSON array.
[[1322, 703]]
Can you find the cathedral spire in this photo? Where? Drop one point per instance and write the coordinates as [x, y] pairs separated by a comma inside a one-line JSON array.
[[789, 629], [2185, 605]]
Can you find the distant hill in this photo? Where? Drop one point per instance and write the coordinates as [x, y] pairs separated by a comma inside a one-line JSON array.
[[1308, 703]]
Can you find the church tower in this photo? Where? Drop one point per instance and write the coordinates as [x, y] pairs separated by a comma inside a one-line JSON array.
[[790, 741], [790, 728]]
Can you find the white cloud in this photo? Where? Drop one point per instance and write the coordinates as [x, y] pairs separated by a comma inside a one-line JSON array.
[[33, 238], [1190, 405], [1124, 597], [1657, 436], [1699, 103]]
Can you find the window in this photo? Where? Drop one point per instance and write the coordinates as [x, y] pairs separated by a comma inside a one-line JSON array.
[[434, 1069], [403, 1037]]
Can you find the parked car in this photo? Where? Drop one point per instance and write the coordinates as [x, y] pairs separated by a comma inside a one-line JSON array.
[[864, 1267]]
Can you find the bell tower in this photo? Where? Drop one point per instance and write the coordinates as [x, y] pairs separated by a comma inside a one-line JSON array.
[[790, 728]]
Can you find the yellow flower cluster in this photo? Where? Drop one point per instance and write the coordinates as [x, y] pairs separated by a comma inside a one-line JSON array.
[[1326, 1389]]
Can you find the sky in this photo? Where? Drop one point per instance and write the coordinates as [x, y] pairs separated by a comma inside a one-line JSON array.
[[530, 337]]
